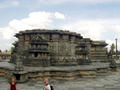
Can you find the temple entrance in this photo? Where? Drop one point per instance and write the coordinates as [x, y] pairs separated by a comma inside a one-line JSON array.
[[17, 76], [36, 54]]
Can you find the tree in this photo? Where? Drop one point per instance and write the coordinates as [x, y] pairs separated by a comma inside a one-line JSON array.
[[112, 48], [11, 49], [118, 52]]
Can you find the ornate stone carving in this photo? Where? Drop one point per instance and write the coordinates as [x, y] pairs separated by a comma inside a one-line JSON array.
[[53, 47]]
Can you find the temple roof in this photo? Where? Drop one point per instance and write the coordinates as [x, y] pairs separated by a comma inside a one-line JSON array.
[[47, 31]]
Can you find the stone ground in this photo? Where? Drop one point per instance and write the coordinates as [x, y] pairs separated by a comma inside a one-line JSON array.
[[109, 82]]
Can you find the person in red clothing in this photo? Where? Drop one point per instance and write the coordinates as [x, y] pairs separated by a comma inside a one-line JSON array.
[[13, 84]]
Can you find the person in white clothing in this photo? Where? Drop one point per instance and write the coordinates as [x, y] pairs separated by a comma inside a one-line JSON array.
[[47, 86]]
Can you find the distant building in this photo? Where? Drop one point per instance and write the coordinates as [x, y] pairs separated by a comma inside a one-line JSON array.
[[5, 56]]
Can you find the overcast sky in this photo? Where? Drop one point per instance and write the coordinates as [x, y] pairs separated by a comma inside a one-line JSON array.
[[95, 19]]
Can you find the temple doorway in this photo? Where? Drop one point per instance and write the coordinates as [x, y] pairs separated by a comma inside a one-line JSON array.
[[17, 76]]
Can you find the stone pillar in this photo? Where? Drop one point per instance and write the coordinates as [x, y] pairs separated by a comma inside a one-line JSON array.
[[38, 55], [88, 52]]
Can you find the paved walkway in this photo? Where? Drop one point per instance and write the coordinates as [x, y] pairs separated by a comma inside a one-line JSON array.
[[109, 82]]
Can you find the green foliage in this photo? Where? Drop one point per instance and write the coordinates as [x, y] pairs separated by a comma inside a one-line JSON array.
[[12, 49], [118, 52], [112, 48]]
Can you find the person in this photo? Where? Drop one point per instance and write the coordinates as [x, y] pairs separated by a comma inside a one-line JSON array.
[[47, 86], [13, 84]]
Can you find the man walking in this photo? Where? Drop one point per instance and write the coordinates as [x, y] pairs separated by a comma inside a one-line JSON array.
[[47, 86]]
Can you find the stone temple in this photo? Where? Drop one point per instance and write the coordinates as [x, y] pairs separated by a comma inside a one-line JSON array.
[[56, 48], [56, 54]]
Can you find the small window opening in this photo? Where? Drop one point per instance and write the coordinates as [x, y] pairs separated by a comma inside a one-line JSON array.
[[17, 76], [36, 54]]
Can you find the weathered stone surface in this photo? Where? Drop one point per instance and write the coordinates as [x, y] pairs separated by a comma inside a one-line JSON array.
[[56, 48], [55, 72], [57, 54], [109, 82]]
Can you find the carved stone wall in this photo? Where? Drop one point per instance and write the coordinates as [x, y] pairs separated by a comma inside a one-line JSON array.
[[52, 47]]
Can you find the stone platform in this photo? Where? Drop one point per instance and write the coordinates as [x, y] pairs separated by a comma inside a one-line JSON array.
[[92, 66], [55, 72], [109, 82]]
